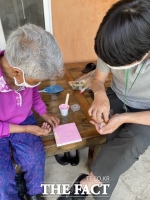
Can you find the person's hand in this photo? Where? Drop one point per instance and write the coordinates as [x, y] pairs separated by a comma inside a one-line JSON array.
[[39, 131], [114, 122], [99, 110], [51, 119]]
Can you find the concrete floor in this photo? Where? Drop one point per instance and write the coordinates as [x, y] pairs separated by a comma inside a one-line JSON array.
[[134, 184]]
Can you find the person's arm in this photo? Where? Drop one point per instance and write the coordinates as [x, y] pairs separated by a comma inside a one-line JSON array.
[[14, 128], [100, 107], [32, 129], [6, 129], [98, 82], [119, 119], [38, 105], [137, 118]]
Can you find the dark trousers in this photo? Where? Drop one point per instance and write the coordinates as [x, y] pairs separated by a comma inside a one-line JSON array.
[[123, 148]]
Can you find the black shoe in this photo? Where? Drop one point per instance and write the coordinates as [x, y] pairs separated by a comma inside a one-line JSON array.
[[74, 160], [63, 160], [72, 195], [89, 67], [20, 184], [35, 197]]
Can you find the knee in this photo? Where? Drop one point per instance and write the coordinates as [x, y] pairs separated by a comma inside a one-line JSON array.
[[139, 130], [40, 158], [136, 147], [137, 137], [3, 180], [6, 178], [36, 159]]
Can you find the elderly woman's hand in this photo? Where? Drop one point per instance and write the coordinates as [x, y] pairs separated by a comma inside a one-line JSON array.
[[51, 119], [39, 131]]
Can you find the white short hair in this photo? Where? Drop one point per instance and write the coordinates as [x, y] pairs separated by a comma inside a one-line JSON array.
[[34, 51]]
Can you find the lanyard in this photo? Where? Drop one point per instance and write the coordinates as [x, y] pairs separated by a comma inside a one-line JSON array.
[[126, 87]]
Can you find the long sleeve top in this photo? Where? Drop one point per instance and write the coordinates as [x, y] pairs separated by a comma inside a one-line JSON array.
[[15, 106]]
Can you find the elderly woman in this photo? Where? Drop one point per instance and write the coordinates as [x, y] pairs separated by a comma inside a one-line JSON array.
[[32, 55]]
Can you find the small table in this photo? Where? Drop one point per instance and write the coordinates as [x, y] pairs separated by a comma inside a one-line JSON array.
[[90, 137]]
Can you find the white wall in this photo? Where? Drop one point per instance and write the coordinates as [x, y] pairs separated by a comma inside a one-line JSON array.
[[48, 16], [2, 37]]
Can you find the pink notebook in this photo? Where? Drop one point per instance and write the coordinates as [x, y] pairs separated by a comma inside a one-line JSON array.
[[66, 134]]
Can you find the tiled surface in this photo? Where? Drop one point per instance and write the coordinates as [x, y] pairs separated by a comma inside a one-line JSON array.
[[134, 184], [135, 181], [56, 173]]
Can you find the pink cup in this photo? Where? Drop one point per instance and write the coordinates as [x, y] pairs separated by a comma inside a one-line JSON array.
[[64, 109]]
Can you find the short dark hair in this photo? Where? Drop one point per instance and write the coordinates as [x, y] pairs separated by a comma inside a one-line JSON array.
[[124, 34]]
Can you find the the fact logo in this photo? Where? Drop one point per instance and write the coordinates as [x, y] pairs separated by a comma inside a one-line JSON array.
[[58, 189]]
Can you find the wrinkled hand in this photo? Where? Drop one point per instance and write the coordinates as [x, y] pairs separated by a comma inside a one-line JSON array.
[[51, 119], [39, 131], [114, 122], [99, 110]]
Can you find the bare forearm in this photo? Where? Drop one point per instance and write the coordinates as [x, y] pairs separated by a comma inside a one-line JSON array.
[[13, 128], [137, 118], [97, 86], [32, 129]]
